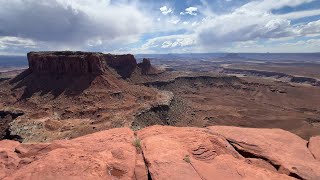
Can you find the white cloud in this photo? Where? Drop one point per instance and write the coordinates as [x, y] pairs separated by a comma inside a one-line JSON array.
[[174, 20], [251, 22], [310, 45], [9, 41], [230, 27], [190, 10], [167, 43], [165, 10], [300, 14], [268, 5], [194, 23], [244, 27], [309, 28], [72, 23], [104, 25]]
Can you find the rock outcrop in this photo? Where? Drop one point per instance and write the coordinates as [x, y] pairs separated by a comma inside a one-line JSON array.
[[6, 117], [195, 153], [66, 62], [284, 150], [259, 73], [163, 152], [145, 66], [123, 64], [104, 155], [314, 146], [147, 69]]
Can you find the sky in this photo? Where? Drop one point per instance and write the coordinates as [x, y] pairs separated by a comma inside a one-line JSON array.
[[160, 26]]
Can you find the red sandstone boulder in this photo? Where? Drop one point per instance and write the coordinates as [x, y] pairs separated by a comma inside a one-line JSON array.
[[9, 160], [103, 155], [314, 146], [195, 153], [286, 151]]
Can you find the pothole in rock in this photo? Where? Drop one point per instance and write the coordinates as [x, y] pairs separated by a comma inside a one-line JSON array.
[[116, 172]]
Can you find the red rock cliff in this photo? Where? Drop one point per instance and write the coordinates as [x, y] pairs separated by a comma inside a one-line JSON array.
[[145, 66], [66, 62], [123, 64], [76, 62]]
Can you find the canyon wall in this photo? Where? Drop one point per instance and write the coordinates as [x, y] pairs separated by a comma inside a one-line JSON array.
[[66, 62], [77, 62], [123, 64]]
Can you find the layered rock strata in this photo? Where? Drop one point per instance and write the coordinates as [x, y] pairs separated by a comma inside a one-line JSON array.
[[66, 62]]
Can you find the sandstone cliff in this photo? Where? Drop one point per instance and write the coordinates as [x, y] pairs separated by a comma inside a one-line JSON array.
[[123, 64], [145, 66], [147, 69], [161, 152], [77, 62], [66, 62]]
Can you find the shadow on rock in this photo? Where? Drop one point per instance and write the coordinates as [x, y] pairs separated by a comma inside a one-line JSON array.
[[55, 84]]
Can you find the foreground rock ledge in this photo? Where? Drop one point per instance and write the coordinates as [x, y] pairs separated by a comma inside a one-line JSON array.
[[162, 152]]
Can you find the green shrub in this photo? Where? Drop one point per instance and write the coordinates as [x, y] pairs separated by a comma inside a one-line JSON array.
[[187, 159], [137, 143]]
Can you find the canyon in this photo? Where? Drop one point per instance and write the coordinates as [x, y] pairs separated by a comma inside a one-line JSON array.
[[90, 115], [69, 94]]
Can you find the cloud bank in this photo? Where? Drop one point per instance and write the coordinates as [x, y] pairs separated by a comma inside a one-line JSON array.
[[157, 26], [70, 23]]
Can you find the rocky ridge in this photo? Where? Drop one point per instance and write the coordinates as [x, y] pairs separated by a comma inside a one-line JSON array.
[[160, 152], [276, 75]]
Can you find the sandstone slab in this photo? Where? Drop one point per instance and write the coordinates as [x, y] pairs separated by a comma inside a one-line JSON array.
[[103, 155], [314, 146], [284, 150], [195, 153], [164, 152]]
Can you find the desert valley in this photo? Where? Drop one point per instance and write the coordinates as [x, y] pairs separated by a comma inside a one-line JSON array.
[[68, 106]]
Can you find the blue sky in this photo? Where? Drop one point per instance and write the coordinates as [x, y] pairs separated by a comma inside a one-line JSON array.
[[160, 26]]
